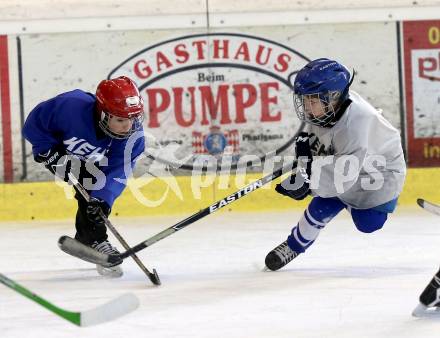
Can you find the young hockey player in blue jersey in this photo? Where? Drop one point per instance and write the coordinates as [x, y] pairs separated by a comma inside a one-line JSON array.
[[86, 135], [349, 157]]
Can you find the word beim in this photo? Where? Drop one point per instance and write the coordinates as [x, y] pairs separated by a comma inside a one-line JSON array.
[[212, 104]]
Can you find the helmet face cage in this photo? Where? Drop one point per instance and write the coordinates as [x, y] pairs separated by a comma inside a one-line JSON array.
[[320, 88], [136, 125], [318, 109]]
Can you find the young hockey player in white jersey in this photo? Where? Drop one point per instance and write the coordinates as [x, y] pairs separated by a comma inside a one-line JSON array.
[[349, 157]]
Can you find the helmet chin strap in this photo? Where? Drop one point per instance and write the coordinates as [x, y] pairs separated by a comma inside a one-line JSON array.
[[339, 112], [342, 107], [104, 125]]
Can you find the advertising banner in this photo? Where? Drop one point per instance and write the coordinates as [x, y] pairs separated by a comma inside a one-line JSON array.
[[209, 96], [422, 89], [216, 94]]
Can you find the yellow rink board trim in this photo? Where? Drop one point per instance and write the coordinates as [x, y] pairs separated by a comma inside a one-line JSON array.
[[179, 195]]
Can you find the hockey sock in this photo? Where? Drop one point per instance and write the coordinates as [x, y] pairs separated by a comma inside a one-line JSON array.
[[319, 212]]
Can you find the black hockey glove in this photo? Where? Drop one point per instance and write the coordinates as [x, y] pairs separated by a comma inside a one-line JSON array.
[[94, 208], [297, 186], [302, 146], [56, 161]]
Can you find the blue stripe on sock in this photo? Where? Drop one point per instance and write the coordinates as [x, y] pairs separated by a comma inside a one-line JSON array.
[[301, 237], [313, 224]]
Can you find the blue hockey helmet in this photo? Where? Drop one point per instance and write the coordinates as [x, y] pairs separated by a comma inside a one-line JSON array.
[[320, 88]]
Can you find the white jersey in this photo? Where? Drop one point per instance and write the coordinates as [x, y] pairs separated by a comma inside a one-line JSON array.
[[367, 167]]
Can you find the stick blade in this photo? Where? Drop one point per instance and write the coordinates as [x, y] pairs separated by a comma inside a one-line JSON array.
[[429, 206], [154, 277], [109, 311], [81, 251]]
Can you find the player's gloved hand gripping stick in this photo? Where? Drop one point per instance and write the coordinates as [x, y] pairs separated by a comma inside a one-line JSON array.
[[297, 186], [82, 251], [56, 161]]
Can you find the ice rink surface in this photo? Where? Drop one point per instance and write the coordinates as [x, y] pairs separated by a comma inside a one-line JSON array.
[[348, 284]]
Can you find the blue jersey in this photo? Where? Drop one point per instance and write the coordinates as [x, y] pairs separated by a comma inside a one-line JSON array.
[[69, 121]]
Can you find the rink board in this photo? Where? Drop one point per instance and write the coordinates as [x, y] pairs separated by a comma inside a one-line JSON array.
[[177, 195]]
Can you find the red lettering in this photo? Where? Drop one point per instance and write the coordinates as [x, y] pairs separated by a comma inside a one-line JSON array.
[[208, 103], [200, 44], [240, 103], [142, 70], [178, 111], [181, 53], [429, 64], [260, 53], [283, 62], [221, 48], [154, 108], [161, 59], [243, 51], [266, 100]]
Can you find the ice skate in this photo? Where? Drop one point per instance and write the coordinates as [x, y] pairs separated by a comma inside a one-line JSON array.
[[107, 248], [429, 299], [280, 256]]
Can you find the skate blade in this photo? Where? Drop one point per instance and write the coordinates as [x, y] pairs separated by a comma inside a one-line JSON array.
[[422, 311], [111, 272]]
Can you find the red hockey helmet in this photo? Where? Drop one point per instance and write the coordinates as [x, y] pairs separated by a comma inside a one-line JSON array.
[[119, 97]]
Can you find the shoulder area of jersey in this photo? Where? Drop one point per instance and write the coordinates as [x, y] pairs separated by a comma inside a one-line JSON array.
[[356, 116], [359, 106], [77, 95]]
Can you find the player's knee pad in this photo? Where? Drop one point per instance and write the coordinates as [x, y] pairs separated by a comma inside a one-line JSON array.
[[368, 220], [323, 210]]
